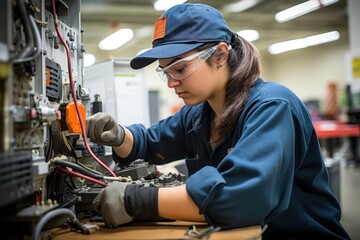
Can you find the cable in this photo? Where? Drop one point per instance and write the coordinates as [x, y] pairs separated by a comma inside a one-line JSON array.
[[32, 33], [72, 150], [88, 168], [42, 23], [83, 176], [70, 199], [47, 143], [52, 181], [37, 43], [50, 148], [65, 141], [70, 185], [54, 216], [68, 144], [25, 139], [85, 173], [78, 168], [27, 29], [73, 92], [56, 213]]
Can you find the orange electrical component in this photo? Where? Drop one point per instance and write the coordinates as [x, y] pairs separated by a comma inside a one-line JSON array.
[[72, 119]]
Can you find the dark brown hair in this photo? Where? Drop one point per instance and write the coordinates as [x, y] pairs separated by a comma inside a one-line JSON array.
[[244, 69]]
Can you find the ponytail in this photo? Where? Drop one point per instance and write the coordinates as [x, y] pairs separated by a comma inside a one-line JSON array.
[[244, 69]]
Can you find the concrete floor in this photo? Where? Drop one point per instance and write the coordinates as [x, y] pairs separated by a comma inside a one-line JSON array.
[[350, 199]]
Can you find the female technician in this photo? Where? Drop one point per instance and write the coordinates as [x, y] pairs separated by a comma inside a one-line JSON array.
[[251, 150]]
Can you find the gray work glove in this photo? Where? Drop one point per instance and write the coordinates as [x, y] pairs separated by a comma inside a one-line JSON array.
[[109, 203], [103, 129]]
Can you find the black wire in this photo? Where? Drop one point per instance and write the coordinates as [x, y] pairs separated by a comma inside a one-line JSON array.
[[32, 33], [27, 29], [69, 200], [73, 151], [52, 184], [18, 34], [72, 181], [72, 185], [78, 168], [50, 148]]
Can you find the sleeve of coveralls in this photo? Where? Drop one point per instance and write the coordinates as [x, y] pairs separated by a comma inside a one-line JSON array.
[[163, 142]]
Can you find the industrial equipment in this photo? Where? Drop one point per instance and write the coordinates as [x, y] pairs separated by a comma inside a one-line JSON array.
[[49, 170]]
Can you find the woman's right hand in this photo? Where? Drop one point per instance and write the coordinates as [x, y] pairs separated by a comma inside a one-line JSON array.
[[103, 129]]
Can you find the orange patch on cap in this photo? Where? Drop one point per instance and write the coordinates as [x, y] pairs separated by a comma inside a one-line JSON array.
[[160, 26]]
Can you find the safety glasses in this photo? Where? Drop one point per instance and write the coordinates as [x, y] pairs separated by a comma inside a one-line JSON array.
[[185, 67]]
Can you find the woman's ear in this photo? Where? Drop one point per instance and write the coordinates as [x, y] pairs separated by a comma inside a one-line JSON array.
[[221, 54]]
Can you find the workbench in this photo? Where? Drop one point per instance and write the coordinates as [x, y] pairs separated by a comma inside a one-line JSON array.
[[329, 131], [336, 129], [156, 230]]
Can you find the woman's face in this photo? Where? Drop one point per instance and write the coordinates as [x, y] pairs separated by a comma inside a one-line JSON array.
[[203, 84]]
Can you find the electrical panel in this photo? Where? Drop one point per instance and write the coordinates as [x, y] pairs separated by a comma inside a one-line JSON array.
[[47, 163], [34, 83]]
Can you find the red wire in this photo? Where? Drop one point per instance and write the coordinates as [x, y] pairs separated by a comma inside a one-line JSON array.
[[83, 176], [73, 92]]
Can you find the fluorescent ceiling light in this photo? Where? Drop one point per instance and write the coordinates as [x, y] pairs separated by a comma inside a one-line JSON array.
[[302, 9], [241, 5], [116, 39], [89, 59], [250, 35], [304, 42], [163, 5]]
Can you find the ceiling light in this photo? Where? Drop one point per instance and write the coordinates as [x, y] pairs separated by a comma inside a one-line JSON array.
[[240, 6], [250, 35], [322, 38], [302, 9], [116, 39], [89, 59], [163, 5], [304, 42]]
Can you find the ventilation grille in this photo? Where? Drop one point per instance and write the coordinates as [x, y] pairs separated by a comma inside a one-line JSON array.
[[15, 177], [53, 81]]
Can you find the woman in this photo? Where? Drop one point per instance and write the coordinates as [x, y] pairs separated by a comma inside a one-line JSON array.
[[251, 150]]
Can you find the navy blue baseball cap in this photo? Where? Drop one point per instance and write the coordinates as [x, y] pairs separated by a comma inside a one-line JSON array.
[[181, 29]]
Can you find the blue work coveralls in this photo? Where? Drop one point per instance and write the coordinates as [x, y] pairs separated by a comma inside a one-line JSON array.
[[269, 171]]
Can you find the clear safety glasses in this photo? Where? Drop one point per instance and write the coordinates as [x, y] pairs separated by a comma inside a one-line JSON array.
[[185, 67]]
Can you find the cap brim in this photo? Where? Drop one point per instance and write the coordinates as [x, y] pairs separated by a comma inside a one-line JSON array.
[[161, 52]]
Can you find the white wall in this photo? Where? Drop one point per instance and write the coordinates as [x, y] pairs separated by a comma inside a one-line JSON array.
[[307, 71]]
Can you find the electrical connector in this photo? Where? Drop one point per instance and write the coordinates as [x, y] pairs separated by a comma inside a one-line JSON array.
[[69, 119], [85, 228]]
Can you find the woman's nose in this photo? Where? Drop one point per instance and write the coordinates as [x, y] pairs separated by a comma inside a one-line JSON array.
[[172, 82]]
